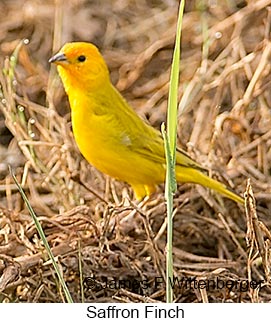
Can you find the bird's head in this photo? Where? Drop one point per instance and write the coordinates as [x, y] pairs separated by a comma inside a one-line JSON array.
[[81, 66]]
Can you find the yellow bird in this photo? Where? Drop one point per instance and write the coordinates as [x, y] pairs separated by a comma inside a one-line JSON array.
[[110, 135]]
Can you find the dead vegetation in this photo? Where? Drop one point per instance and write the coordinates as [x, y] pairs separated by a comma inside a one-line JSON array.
[[92, 223]]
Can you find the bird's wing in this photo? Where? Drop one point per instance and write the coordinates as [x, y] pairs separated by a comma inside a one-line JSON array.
[[143, 138], [150, 144]]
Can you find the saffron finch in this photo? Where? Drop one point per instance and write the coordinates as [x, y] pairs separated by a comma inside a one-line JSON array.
[[108, 132]]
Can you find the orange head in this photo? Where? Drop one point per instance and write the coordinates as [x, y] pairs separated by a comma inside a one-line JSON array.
[[81, 67]]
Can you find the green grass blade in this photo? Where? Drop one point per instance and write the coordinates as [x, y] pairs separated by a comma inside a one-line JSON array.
[[170, 138], [170, 174], [43, 238], [174, 85], [169, 190]]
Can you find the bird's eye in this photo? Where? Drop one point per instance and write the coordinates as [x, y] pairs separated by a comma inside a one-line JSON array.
[[81, 58]]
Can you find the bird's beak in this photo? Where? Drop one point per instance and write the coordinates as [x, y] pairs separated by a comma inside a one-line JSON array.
[[59, 57]]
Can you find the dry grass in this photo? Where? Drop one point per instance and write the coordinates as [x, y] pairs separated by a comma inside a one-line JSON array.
[[225, 89]]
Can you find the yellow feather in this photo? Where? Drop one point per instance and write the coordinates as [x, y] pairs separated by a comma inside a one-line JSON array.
[[110, 135]]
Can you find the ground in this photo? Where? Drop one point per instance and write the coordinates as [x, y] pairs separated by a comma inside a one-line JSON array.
[[110, 247]]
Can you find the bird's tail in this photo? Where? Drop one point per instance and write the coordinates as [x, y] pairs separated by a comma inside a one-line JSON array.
[[193, 175]]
